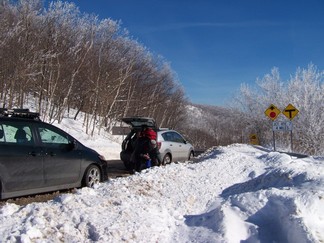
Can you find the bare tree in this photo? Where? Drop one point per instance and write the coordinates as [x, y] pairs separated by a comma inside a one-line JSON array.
[[304, 91], [68, 60]]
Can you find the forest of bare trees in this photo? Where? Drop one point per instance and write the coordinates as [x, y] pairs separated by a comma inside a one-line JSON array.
[[65, 59]]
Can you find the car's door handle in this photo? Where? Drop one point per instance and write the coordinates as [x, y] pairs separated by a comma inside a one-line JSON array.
[[51, 154], [33, 153]]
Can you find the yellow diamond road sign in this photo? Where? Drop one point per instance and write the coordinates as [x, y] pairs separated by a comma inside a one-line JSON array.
[[254, 139], [290, 111], [272, 112]]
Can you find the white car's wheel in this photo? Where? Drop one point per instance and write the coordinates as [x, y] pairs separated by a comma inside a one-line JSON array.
[[191, 155], [166, 159]]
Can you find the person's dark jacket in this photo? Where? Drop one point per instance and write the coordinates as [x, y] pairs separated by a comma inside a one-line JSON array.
[[141, 152]]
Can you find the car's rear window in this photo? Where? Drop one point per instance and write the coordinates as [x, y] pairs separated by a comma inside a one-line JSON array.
[[15, 133]]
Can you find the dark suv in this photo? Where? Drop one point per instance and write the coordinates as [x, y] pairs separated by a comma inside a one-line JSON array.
[[38, 157]]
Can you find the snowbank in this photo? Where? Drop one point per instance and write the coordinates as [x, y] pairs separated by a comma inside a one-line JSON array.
[[233, 194]]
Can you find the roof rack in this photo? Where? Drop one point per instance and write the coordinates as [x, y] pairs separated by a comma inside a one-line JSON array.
[[19, 113]]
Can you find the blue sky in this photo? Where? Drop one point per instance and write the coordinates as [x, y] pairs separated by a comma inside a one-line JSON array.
[[214, 46]]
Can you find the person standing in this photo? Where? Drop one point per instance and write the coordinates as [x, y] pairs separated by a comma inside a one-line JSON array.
[[153, 149]]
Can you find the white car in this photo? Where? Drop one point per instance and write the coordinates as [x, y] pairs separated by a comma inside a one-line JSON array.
[[173, 147]]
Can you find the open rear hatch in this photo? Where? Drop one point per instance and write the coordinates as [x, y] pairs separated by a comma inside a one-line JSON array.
[[138, 122]]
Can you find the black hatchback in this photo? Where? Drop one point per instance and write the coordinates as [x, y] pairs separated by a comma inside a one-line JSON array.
[[136, 124], [37, 157]]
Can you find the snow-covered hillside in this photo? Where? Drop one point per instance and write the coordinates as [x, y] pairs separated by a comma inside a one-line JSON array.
[[231, 194], [103, 142]]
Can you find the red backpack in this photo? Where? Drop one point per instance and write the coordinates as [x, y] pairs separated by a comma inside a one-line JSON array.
[[149, 133]]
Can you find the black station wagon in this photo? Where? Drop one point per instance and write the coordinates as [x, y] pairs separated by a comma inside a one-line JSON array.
[[38, 157]]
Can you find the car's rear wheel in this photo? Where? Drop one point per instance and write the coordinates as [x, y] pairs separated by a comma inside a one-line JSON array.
[[166, 159], [191, 155], [92, 176]]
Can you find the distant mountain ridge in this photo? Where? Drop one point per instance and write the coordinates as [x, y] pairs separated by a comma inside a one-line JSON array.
[[208, 126]]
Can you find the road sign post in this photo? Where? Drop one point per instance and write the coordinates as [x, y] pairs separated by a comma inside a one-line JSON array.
[[290, 112], [273, 112]]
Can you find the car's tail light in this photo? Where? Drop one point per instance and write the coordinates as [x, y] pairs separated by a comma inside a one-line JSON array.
[[159, 145]]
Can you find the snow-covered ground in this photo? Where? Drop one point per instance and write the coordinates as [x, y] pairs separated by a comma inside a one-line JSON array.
[[237, 193]]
